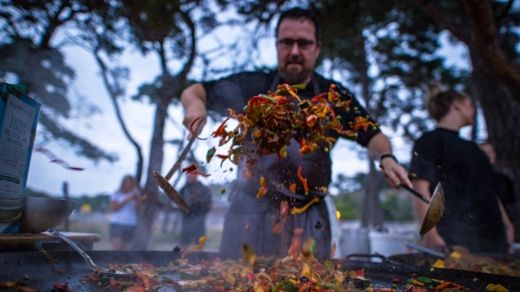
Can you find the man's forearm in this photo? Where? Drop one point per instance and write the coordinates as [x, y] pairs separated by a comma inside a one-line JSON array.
[[193, 95], [378, 146], [193, 100]]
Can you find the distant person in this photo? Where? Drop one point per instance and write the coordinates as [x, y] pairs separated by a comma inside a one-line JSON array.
[[473, 215], [505, 189], [198, 197], [123, 213]]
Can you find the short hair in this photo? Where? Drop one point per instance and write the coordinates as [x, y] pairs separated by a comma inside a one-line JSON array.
[[297, 13], [439, 104]]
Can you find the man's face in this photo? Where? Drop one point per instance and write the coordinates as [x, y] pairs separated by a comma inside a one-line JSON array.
[[297, 49]]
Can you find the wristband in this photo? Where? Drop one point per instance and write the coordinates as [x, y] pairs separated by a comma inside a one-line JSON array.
[[388, 155]]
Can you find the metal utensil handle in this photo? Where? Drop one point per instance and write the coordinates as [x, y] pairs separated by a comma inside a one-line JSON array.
[[416, 193], [82, 253], [426, 250], [181, 158]]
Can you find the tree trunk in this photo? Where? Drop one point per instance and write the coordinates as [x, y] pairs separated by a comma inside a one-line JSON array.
[[149, 206], [498, 101], [371, 212]]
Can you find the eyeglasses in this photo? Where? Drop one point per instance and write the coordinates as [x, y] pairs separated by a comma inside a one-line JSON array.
[[303, 44]]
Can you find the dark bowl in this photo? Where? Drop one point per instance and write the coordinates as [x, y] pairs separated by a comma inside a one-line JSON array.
[[39, 213]]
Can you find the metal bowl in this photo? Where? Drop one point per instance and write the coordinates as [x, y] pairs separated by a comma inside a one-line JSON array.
[[42, 213]]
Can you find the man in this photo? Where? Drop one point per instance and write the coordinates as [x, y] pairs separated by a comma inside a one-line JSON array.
[[198, 197], [262, 223]]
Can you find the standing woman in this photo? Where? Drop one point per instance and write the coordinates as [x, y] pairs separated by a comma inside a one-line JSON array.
[[473, 214], [123, 216]]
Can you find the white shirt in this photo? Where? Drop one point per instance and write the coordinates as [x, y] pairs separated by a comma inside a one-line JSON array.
[[127, 214]]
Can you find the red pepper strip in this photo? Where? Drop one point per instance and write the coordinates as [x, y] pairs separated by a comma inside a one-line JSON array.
[[222, 156], [190, 168], [296, 242], [292, 188], [318, 98], [304, 146], [333, 95], [194, 170], [257, 100], [362, 123], [284, 212], [360, 273], [302, 180], [443, 285], [311, 120], [289, 89], [221, 130], [192, 130], [54, 159]]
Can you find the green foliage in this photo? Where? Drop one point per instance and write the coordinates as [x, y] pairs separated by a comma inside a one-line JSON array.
[[349, 205], [397, 206], [99, 203]]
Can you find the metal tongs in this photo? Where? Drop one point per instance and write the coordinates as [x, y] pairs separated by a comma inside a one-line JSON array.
[[167, 187], [88, 260], [435, 207]]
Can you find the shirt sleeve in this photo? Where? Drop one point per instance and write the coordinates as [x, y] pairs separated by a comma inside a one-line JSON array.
[[117, 197], [348, 118], [425, 162], [234, 90]]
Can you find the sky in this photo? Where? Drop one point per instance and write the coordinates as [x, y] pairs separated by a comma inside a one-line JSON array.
[[103, 130]]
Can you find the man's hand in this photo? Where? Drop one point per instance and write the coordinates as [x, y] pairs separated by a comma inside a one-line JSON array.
[[379, 148], [193, 100], [394, 174]]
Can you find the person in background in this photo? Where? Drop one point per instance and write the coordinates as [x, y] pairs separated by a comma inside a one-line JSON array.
[[473, 215], [198, 197], [505, 190], [123, 213], [258, 222]]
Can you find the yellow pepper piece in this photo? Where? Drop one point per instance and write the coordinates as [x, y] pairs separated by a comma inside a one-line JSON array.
[[306, 271], [496, 288], [439, 264], [455, 255], [295, 210]]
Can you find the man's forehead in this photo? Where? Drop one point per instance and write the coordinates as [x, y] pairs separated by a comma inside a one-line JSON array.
[[289, 27]]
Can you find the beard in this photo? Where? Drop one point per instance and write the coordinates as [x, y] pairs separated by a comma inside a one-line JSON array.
[[294, 76]]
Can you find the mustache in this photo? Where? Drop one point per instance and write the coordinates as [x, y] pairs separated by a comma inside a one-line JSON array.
[[295, 60]]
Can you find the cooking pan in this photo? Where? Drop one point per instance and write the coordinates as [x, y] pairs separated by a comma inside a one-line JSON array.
[[44, 271], [426, 261]]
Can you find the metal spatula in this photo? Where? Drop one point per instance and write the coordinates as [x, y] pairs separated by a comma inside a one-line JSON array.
[[167, 187], [435, 207], [435, 210], [88, 260]]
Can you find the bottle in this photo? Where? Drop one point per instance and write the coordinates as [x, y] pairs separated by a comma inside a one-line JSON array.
[[18, 120]]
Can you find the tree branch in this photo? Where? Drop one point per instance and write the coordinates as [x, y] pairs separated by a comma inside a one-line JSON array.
[[443, 19], [85, 147], [486, 43], [114, 92], [193, 49]]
